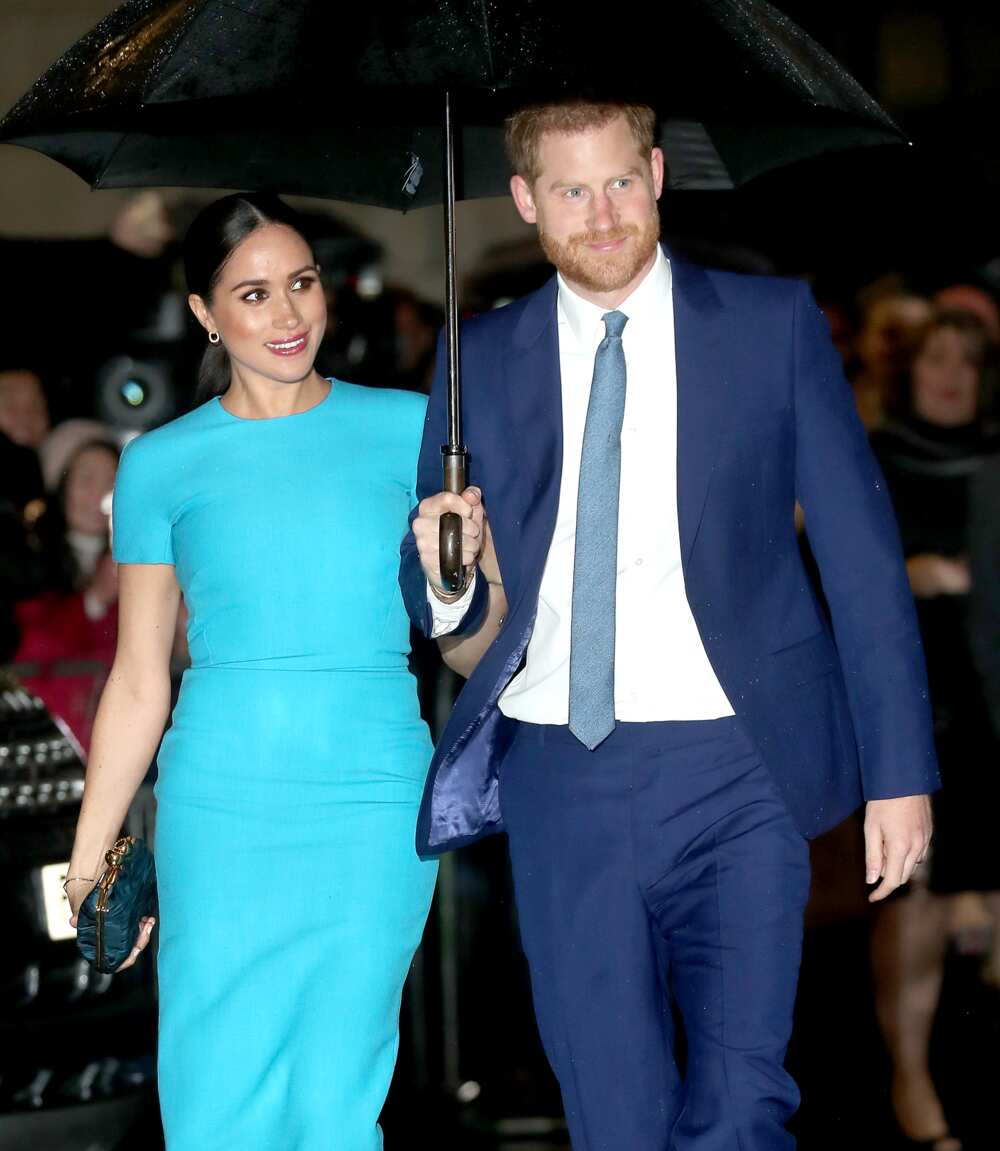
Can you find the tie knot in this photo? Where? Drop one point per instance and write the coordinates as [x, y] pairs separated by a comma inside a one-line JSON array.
[[614, 324]]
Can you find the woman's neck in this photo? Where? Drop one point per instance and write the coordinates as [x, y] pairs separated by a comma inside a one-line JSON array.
[[258, 398]]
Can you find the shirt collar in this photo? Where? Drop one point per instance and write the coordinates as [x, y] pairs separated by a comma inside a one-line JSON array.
[[647, 299]]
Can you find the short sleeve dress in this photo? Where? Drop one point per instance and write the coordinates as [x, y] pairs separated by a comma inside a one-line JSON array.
[[291, 896]]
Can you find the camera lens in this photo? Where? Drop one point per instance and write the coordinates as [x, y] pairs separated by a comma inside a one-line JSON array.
[[133, 392]]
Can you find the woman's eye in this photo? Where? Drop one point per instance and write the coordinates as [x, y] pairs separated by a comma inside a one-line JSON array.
[[303, 283], [255, 296]]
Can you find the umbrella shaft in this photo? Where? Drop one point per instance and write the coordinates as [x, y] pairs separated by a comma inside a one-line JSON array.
[[451, 293]]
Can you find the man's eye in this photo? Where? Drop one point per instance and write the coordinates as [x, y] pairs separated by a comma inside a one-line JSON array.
[[573, 193], [623, 182]]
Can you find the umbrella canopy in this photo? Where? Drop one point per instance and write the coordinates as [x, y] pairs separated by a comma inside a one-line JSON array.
[[344, 101]]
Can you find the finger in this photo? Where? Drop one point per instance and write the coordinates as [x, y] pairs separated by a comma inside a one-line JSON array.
[[892, 875], [472, 496], [910, 865], [434, 506], [130, 962], [916, 855], [874, 853], [141, 942]]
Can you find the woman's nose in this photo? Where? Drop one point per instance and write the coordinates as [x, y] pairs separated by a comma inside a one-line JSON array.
[[288, 315]]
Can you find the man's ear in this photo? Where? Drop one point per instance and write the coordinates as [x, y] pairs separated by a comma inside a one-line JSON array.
[[524, 199], [656, 166]]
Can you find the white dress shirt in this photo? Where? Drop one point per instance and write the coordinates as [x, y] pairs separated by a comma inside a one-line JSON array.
[[661, 669]]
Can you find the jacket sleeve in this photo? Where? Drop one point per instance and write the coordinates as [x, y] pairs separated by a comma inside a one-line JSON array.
[[853, 534], [412, 581]]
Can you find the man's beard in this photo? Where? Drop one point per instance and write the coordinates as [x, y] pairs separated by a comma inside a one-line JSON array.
[[603, 271]]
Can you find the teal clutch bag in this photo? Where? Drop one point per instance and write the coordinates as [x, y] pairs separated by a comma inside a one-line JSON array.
[[107, 923]]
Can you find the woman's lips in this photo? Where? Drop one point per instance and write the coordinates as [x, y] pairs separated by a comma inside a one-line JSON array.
[[290, 347]]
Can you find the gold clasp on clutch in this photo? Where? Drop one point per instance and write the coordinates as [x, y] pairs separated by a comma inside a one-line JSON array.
[[114, 859]]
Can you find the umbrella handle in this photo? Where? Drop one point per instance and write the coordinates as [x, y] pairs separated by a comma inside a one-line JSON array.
[[450, 530]]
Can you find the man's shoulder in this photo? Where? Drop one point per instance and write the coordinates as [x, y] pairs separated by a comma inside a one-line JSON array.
[[739, 287], [501, 323]]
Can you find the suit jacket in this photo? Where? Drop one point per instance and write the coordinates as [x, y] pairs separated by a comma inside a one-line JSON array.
[[838, 713]]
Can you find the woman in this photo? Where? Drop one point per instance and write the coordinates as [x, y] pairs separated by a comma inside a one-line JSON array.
[[67, 631], [291, 899], [930, 455]]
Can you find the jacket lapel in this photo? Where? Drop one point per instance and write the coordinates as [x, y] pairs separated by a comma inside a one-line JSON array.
[[534, 448], [534, 404], [703, 383]]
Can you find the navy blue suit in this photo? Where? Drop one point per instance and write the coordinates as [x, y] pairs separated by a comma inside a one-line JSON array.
[[825, 717]]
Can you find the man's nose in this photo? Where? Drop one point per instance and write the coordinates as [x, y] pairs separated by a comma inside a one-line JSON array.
[[603, 216]]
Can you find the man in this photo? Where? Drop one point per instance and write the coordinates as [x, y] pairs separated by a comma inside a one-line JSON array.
[[656, 709]]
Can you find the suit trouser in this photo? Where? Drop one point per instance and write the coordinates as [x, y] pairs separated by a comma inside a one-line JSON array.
[[660, 869]]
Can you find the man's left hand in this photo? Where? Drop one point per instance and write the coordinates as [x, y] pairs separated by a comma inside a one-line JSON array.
[[897, 835]]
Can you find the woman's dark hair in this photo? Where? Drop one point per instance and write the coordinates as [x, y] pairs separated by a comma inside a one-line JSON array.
[[216, 233], [61, 571]]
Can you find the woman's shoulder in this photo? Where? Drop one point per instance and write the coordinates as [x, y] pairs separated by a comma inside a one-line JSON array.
[[173, 436], [376, 399], [389, 412]]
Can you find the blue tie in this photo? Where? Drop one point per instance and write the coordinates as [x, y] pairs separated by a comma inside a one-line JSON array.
[[595, 567]]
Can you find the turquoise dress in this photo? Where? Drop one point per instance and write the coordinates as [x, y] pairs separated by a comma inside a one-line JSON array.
[[291, 896]]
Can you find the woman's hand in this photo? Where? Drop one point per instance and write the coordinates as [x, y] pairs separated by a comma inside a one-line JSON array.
[[141, 942], [78, 890]]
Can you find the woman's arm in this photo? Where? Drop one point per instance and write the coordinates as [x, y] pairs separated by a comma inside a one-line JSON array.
[[463, 652], [131, 716]]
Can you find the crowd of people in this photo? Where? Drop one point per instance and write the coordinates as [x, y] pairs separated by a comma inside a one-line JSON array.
[[924, 373]]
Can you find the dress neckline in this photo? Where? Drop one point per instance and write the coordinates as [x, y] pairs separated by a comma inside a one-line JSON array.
[[274, 419]]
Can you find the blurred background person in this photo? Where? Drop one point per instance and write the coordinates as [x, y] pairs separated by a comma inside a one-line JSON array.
[[21, 492], [930, 449], [984, 633], [24, 410], [63, 442], [69, 627], [891, 321], [962, 297]]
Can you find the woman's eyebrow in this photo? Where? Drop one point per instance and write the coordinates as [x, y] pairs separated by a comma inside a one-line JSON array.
[[261, 283]]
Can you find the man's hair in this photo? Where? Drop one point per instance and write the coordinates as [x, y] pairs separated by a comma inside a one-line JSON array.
[[525, 128]]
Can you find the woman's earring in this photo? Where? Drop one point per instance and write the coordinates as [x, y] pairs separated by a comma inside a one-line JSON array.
[[213, 337]]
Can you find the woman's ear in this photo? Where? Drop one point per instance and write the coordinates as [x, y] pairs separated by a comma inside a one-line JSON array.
[[201, 312]]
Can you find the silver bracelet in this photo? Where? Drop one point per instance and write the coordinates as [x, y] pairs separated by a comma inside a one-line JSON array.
[[77, 879]]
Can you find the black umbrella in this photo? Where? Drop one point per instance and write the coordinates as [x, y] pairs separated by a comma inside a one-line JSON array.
[[348, 102]]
